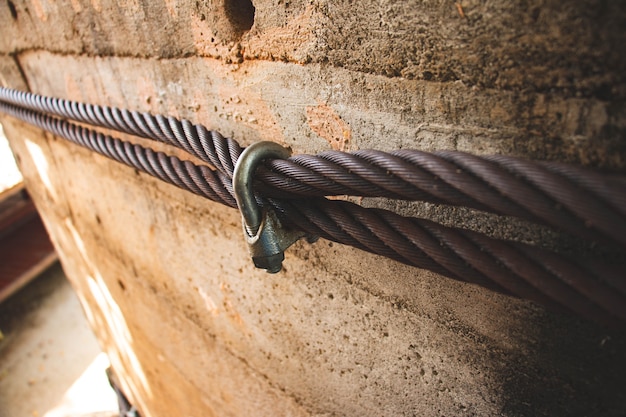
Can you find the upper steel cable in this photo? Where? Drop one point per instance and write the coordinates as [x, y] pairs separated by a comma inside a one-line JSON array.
[[209, 146], [592, 289], [576, 200], [198, 179], [579, 201]]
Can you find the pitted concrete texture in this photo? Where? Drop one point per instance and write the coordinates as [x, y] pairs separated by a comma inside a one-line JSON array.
[[192, 328], [547, 46]]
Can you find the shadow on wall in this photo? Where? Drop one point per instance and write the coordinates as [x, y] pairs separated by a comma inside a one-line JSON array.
[[571, 368]]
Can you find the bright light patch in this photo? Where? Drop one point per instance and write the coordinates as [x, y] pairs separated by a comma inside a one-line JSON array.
[[9, 173], [90, 393], [41, 163]]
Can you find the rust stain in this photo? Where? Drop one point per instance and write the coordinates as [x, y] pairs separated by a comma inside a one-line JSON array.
[[323, 120]]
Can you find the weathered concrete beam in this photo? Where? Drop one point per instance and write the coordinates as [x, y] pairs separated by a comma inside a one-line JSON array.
[[567, 47]]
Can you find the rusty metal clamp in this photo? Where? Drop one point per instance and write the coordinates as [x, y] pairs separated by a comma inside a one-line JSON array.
[[267, 238]]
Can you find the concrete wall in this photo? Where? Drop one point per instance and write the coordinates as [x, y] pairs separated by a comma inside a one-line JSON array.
[[164, 276]]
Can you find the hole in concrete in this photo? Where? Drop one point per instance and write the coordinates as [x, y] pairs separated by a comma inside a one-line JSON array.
[[240, 14], [12, 9]]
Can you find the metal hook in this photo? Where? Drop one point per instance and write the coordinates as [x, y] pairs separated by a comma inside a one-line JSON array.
[[266, 237]]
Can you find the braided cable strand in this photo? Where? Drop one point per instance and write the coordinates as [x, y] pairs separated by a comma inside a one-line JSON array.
[[576, 200], [592, 289], [198, 179], [209, 146]]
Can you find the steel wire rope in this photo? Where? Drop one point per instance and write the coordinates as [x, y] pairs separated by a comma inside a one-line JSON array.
[[595, 291], [198, 179], [579, 201], [545, 193], [221, 152]]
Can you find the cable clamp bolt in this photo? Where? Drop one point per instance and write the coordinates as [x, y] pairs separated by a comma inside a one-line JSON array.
[[267, 238]]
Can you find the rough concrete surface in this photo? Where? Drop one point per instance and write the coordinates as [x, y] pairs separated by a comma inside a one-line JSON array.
[[192, 328], [565, 46]]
